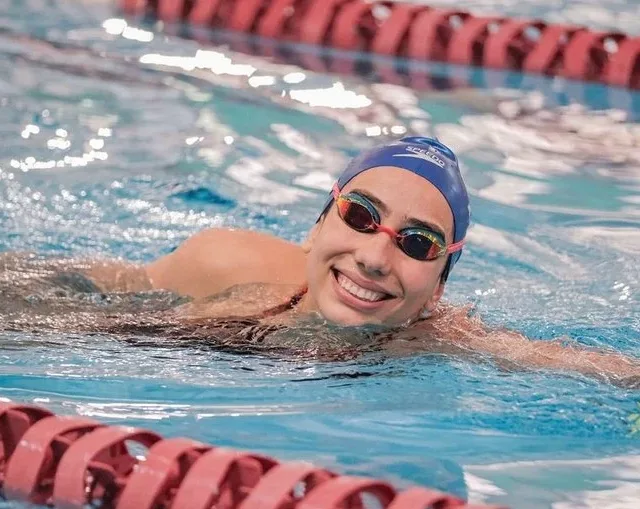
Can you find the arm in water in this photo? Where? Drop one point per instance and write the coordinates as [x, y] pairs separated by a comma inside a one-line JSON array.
[[116, 276], [205, 264], [107, 276], [454, 326]]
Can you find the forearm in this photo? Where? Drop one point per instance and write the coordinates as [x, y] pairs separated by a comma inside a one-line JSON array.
[[116, 276], [554, 354], [106, 275], [515, 348]]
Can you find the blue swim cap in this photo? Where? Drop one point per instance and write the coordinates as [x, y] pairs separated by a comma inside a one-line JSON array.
[[429, 159]]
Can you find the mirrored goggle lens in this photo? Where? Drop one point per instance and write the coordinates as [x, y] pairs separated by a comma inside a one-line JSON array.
[[356, 215], [420, 246]]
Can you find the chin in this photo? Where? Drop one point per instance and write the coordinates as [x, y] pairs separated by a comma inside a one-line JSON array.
[[340, 315]]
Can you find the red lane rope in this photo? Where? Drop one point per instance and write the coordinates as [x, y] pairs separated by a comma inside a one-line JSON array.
[[391, 36], [624, 66], [420, 32], [155, 483], [431, 32], [69, 462], [29, 474], [510, 44]]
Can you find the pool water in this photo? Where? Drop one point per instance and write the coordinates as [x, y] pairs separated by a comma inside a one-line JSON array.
[[123, 140]]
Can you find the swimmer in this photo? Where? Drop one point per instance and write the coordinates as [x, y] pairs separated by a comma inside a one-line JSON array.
[[390, 233]]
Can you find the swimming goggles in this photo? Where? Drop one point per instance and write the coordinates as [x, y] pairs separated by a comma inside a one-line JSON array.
[[417, 242]]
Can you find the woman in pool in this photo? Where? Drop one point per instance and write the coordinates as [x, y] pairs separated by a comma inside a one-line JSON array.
[[380, 253]]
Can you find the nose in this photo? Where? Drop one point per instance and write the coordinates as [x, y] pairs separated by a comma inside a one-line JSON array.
[[373, 256]]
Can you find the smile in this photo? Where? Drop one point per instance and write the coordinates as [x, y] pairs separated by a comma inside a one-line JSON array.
[[358, 291]]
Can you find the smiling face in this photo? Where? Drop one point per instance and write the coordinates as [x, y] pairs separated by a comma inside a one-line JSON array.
[[359, 278]]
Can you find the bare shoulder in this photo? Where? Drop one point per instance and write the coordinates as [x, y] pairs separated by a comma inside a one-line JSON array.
[[216, 259], [238, 238], [222, 246]]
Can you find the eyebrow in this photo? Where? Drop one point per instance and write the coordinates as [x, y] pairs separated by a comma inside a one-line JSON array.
[[410, 221]]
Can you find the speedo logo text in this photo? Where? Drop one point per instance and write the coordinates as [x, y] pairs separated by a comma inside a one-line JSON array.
[[420, 153]]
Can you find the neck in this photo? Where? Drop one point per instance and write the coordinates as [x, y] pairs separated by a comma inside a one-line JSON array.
[[305, 303]]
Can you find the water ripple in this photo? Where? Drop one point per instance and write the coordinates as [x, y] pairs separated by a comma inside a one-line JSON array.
[[121, 141]]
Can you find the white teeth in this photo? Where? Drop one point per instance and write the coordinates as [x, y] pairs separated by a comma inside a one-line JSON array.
[[358, 291]]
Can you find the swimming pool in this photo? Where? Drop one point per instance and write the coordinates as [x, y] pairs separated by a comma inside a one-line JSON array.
[[113, 149]]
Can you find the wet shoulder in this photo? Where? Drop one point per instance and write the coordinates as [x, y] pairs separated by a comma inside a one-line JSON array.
[[218, 259]]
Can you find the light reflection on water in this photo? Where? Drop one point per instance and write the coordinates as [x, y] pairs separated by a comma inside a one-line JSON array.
[[552, 251]]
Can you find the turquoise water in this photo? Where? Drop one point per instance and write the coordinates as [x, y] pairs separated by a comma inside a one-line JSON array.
[[112, 149]]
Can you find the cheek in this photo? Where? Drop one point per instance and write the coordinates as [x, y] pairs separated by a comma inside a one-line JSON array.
[[421, 279], [332, 240], [326, 246]]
